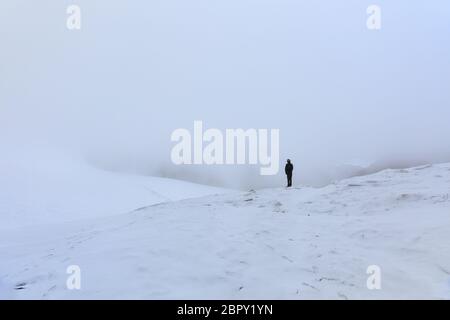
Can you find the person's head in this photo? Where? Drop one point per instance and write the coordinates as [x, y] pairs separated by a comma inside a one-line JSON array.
[[288, 160]]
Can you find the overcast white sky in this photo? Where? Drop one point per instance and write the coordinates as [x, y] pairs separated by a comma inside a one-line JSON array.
[[137, 70]]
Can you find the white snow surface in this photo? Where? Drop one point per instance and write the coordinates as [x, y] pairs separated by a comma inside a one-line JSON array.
[[298, 243], [47, 187]]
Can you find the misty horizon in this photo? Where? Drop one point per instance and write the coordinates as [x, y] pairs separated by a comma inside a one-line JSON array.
[[340, 94]]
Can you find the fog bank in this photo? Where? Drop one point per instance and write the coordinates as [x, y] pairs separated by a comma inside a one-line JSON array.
[[347, 100]]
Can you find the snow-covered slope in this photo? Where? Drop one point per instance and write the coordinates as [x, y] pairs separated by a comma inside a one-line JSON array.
[[50, 187], [299, 243]]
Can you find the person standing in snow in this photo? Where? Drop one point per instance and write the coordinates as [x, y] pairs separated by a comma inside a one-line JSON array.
[[288, 170]]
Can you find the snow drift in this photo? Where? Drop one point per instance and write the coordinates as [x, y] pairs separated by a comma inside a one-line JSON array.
[[300, 243]]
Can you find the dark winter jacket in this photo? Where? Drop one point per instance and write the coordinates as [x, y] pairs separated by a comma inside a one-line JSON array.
[[288, 168]]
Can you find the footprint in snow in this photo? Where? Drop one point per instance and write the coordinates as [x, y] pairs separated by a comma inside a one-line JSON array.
[[20, 286]]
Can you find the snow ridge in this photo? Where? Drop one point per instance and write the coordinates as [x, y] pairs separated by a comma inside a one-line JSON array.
[[299, 243]]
